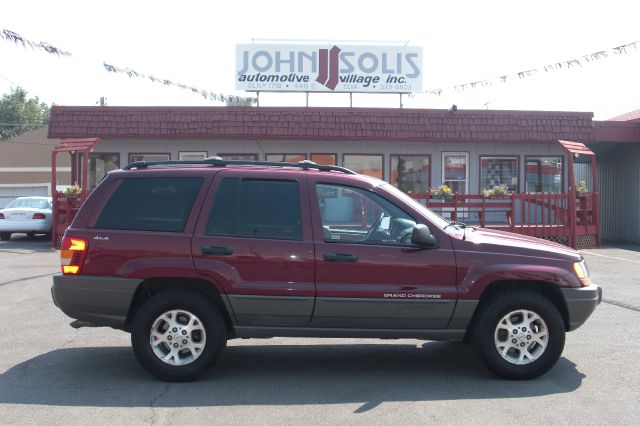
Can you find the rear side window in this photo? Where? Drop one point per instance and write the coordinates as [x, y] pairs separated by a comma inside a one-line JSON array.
[[256, 208], [150, 204]]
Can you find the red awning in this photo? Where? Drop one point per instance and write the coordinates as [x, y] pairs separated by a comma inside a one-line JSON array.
[[576, 148], [86, 145]]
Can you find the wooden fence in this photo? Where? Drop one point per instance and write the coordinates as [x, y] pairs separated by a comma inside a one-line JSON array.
[[552, 216]]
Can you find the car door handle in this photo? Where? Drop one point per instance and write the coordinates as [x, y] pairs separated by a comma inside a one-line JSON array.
[[340, 257], [220, 251]]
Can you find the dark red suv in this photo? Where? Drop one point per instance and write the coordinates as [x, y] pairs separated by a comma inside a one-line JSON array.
[[187, 255]]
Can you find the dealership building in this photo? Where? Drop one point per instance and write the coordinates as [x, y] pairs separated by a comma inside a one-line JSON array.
[[414, 149]]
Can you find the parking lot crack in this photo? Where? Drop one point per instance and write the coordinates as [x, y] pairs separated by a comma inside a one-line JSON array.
[[622, 305], [33, 277], [70, 341], [154, 401]]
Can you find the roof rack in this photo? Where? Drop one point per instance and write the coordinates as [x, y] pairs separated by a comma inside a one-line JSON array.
[[219, 162]]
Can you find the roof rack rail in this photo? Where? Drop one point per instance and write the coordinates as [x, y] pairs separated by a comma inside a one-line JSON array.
[[219, 162]]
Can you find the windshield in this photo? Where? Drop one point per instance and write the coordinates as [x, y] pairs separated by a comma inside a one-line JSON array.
[[434, 218], [33, 203]]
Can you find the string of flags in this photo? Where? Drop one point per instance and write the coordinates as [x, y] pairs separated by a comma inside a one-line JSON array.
[[18, 39], [166, 82], [555, 66], [34, 45]]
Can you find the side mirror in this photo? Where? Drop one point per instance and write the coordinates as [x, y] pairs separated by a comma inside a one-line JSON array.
[[421, 236]]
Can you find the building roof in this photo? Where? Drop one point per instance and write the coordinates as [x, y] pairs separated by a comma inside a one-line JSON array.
[[629, 116], [617, 131], [318, 124]]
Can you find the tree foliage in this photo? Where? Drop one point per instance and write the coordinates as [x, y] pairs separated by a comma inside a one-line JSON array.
[[20, 114]]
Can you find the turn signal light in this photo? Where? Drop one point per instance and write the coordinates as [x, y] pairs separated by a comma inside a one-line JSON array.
[[72, 254], [580, 268], [39, 216]]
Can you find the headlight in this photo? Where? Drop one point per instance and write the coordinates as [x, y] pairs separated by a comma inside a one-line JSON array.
[[582, 272]]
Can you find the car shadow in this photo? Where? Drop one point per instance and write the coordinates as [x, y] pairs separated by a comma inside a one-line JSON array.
[[366, 374]]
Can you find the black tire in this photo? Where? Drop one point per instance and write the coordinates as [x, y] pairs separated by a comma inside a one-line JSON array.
[[5, 236], [193, 303], [542, 357]]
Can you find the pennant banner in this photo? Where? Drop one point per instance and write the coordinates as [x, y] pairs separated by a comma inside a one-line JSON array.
[[240, 100], [35, 45], [17, 39], [556, 66]]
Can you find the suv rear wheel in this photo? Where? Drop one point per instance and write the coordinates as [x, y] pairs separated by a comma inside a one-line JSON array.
[[177, 335], [520, 335]]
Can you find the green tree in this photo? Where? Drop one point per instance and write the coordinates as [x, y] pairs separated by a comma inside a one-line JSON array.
[[19, 114]]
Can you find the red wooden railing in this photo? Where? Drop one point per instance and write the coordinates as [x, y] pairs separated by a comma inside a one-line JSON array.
[[538, 215], [65, 207]]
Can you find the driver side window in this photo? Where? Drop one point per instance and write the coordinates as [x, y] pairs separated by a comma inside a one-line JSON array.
[[353, 215]]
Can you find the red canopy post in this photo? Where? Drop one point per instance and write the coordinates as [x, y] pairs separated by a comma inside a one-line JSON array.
[[65, 206], [596, 198], [592, 226]]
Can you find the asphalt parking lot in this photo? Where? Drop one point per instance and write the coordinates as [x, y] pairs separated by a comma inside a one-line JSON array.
[[53, 374]]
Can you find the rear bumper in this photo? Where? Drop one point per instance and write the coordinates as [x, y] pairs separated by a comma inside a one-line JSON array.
[[100, 301], [581, 302], [27, 225]]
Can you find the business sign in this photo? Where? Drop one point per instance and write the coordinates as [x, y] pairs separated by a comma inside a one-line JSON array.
[[337, 68]]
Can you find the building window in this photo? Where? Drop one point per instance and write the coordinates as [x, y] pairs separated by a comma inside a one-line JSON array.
[[370, 165], [243, 157], [256, 208], [286, 158], [499, 171], [544, 174], [411, 173], [325, 159], [192, 155], [99, 165], [455, 171], [148, 157]]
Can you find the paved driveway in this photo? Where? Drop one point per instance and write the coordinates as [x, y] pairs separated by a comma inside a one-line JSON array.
[[51, 373]]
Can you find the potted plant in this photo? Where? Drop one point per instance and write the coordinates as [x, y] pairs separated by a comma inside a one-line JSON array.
[[581, 189], [73, 190], [496, 191], [442, 192]]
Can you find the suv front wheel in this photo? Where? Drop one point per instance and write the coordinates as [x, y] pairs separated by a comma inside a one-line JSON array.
[[177, 335], [520, 335]]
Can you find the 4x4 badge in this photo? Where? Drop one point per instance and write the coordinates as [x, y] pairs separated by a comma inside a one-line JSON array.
[[101, 238]]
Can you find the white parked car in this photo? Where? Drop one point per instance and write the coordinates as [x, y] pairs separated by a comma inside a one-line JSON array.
[[29, 215]]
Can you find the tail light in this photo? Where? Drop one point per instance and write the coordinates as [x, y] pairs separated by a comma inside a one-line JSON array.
[[72, 254], [1, 215], [39, 216]]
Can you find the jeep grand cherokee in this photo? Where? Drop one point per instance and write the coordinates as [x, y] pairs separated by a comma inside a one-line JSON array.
[[186, 255]]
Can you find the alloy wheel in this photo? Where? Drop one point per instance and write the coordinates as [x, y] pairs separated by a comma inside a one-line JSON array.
[[177, 337]]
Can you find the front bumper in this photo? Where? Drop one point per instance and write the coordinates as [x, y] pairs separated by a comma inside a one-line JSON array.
[[99, 301], [581, 302]]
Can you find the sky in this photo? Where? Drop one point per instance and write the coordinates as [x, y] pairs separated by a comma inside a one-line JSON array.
[[193, 43]]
